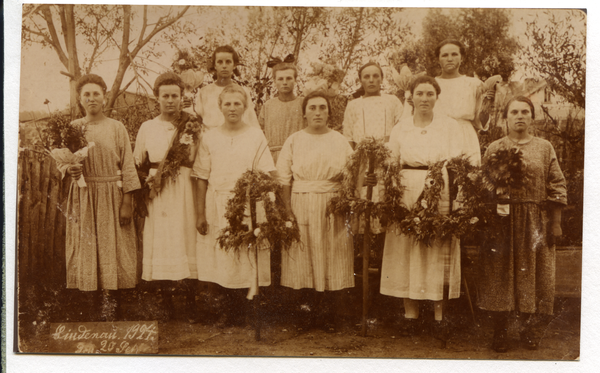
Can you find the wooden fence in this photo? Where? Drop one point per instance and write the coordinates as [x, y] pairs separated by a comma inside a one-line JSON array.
[[41, 222]]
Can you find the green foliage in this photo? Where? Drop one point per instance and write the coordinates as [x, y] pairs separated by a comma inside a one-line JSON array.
[[484, 32]]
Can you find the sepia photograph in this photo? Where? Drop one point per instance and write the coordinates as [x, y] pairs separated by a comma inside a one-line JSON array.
[[319, 182]]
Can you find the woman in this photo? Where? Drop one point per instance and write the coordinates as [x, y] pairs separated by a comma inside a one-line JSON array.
[[411, 269], [225, 153], [461, 97], [170, 227], [224, 62], [100, 239], [519, 268], [309, 167], [374, 114]]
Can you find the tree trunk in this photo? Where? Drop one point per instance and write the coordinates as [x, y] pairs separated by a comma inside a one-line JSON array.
[[71, 44], [124, 58]]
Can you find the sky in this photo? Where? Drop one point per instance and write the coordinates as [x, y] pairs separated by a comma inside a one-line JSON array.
[[40, 66]]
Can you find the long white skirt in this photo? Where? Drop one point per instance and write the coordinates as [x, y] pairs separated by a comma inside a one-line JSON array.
[[411, 269], [324, 258], [170, 232], [233, 270]]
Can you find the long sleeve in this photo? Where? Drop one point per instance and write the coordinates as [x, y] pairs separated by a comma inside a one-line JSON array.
[[131, 181], [284, 162], [349, 122], [556, 185]]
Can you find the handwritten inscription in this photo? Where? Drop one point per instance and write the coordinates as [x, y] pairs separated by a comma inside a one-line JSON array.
[[126, 337]]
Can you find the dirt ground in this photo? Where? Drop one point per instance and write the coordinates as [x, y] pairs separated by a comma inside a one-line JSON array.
[[280, 335]]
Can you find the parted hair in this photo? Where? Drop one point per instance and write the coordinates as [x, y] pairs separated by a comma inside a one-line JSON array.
[[90, 79], [519, 99], [315, 94], [168, 78], [234, 88], [425, 79]]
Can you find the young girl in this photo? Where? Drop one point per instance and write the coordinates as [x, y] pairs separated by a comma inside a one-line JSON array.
[[170, 227], [223, 62], [225, 153], [101, 240]]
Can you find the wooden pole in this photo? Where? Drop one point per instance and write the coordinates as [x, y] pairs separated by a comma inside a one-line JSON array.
[[256, 298], [367, 251]]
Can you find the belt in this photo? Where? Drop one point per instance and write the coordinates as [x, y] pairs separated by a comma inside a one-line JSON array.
[[315, 186], [407, 167]]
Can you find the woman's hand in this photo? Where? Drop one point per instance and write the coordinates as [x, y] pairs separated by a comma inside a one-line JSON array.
[[202, 224], [187, 102], [75, 171], [555, 232], [126, 210], [490, 94], [370, 179]]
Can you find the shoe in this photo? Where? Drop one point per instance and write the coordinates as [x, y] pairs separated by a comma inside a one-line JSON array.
[[410, 327], [529, 340], [441, 331], [500, 342]]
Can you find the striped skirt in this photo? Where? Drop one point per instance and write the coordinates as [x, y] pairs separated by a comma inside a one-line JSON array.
[[323, 260]]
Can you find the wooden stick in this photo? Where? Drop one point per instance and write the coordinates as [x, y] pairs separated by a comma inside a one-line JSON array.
[[256, 299], [367, 251]]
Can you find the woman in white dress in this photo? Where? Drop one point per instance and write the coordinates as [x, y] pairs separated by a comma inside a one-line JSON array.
[[170, 227], [225, 153], [310, 166], [461, 97], [224, 63], [374, 114], [411, 269]]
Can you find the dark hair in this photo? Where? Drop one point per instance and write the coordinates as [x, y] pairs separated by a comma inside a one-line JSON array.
[[233, 88], [519, 99], [312, 95], [284, 66], [425, 79], [371, 63], [224, 49], [460, 46], [90, 79], [168, 78]]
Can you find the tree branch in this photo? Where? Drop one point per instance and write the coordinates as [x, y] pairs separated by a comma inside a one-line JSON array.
[[54, 41], [156, 30]]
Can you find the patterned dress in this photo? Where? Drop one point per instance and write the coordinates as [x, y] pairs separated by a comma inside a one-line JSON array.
[[459, 99], [222, 160], [101, 253], [279, 119], [373, 116], [170, 228], [207, 106], [323, 260], [411, 269], [518, 271]]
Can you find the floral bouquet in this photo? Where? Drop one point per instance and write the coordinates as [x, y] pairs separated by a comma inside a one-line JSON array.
[[180, 152], [504, 170], [186, 68], [66, 143], [326, 78]]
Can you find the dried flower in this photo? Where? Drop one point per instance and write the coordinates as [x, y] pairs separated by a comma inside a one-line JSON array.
[[256, 232], [288, 224], [271, 196], [417, 220], [186, 139], [474, 220], [182, 62], [424, 203], [472, 176]]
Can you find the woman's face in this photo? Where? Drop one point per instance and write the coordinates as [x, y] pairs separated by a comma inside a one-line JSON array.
[[232, 107], [424, 98], [450, 58], [519, 116], [316, 113], [224, 65], [92, 98], [285, 81], [169, 98], [370, 79]]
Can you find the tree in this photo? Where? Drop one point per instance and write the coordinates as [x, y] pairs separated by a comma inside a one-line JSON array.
[[98, 28], [558, 53], [484, 32]]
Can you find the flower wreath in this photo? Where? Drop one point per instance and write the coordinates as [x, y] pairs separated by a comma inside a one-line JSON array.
[[479, 188], [259, 187], [348, 202]]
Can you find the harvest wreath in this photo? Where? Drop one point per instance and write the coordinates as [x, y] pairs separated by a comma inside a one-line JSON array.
[[257, 186]]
